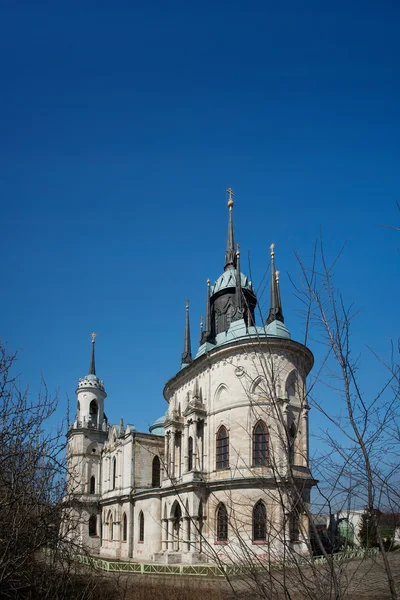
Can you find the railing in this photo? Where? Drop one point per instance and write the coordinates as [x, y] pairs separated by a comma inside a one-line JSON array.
[[116, 566]]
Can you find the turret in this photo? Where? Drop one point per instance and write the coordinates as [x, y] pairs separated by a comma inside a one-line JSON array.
[[90, 397]]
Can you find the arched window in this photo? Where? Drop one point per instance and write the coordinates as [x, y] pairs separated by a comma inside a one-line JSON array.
[[222, 453], [294, 525], [93, 412], [292, 443], [92, 525], [190, 453], [260, 444], [92, 486], [114, 473], [155, 474], [259, 522], [141, 527], [222, 523], [110, 526], [124, 528]]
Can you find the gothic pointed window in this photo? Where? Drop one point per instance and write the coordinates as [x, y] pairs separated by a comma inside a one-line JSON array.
[[141, 527], [124, 528], [259, 522], [190, 453], [93, 412], [222, 448], [114, 473], [260, 444], [93, 525], [292, 443], [222, 523], [92, 487], [156, 472]]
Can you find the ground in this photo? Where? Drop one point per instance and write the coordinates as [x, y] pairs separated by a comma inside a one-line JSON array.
[[359, 580]]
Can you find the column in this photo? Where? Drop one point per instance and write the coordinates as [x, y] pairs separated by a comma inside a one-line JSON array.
[[186, 448], [172, 455], [186, 533], [164, 535], [195, 444], [304, 427], [193, 534], [170, 535]]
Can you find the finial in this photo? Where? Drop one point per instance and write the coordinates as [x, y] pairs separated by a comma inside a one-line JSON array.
[[187, 352], [230, 199], [206, 332], [92, 366], [230, 254], [275, 311]]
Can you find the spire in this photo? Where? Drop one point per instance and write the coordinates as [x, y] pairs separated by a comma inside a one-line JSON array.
[[238, 296], [275, 311], [230, 255], [187, 352], [207, 331], [92, 367]]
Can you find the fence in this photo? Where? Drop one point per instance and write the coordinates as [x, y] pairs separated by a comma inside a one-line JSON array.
[[117, 566]]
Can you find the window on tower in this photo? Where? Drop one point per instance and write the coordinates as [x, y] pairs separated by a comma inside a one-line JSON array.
[[93, 412], [92, 486]]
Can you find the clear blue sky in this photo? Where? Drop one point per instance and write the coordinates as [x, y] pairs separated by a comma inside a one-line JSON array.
[[123, 123]]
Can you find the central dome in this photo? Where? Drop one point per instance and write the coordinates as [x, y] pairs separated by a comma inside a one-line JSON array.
[[228, 280]]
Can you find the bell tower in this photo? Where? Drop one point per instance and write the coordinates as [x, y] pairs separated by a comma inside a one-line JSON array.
[[86, 437]]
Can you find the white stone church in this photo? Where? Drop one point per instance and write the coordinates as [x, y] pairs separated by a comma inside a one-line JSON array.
[[224, 474]]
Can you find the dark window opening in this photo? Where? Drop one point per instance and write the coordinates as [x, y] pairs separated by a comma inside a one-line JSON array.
[[222, 523], [92, 487], [259, 522], [222, 448], [190, 454], [93, 525], [124, 528], [260, 445], [141, 527], [156, 472]]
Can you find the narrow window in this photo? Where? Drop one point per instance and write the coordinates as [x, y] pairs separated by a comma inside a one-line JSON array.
[[259, 522], [222, 448], [222, 523], [260, 444], [93, 525], [190, 453], [92, 487], [124, 528], [156, 470], [292, 443], [294, 526], [114, 472], [200, 445], [141, 527]]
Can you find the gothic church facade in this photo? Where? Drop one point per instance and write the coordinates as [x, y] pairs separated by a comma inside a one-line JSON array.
[[225, 472]]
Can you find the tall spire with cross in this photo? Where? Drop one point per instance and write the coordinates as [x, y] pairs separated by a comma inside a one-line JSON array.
[[230, 254], [275, 311], [92, 366], [187, 351]]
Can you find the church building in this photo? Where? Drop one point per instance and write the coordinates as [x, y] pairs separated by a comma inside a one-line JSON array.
[[223, 475]]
